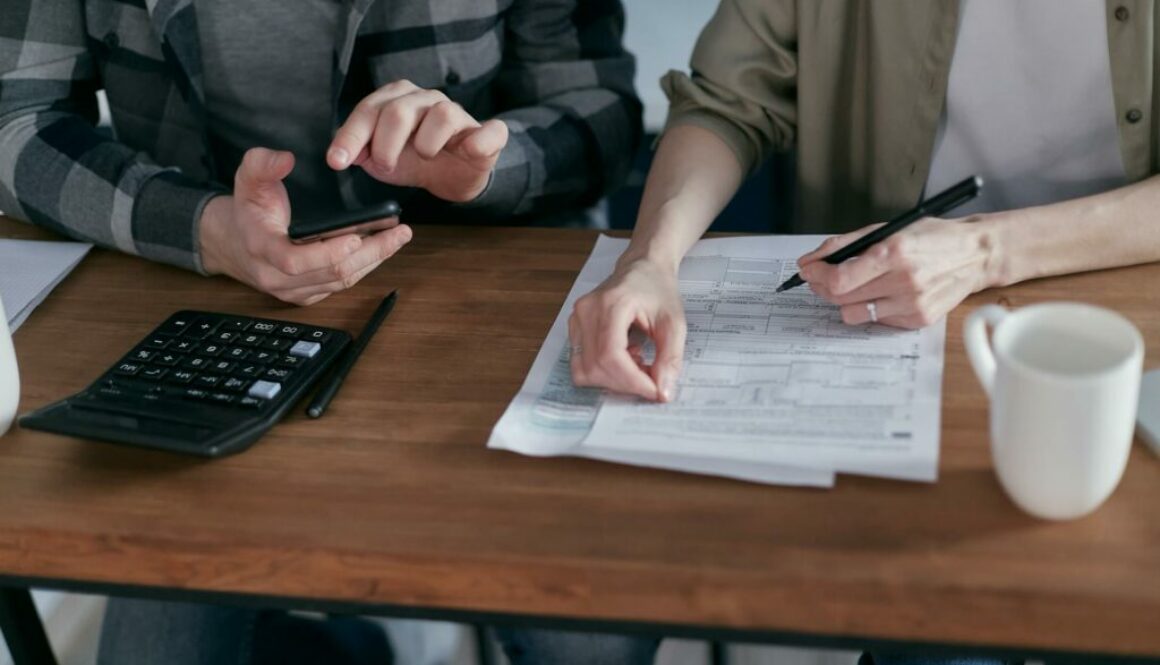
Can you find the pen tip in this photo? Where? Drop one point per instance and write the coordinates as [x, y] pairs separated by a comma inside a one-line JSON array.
[[314, 412]]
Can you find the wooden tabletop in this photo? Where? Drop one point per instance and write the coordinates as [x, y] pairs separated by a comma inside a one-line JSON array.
[[393, 499]]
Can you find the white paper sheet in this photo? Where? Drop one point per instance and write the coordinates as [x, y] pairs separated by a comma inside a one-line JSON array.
[[550, 416], [775, 387], [779, 379], [30, 270]]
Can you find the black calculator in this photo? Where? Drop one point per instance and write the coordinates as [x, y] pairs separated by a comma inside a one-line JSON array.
[[202, 383]]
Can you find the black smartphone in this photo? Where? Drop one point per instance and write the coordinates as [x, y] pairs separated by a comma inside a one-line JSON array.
[[364, 222]]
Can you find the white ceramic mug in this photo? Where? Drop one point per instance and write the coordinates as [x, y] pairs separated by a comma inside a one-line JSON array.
[[1063, 379], [9, 376]]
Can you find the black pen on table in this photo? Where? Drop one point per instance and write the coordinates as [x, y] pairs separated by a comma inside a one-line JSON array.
[[329, 389], [937, 205]]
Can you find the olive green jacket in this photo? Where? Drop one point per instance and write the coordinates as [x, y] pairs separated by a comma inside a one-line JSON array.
[[857, 87]]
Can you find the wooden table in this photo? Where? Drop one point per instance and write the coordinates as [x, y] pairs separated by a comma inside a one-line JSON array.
[[392, 505]]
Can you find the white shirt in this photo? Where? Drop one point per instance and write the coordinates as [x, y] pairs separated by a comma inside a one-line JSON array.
[[1029, 105]]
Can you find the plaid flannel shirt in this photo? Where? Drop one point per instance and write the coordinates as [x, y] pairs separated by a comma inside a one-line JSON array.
[[555, 72]]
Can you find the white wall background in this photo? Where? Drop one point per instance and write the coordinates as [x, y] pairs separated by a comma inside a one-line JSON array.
[[661, 33]]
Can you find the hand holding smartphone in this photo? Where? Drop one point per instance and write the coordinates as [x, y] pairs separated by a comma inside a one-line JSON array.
[[363, 222]]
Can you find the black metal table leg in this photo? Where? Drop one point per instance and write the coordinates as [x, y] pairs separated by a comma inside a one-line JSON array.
[[22, 628], [718, 653], [483, 646]]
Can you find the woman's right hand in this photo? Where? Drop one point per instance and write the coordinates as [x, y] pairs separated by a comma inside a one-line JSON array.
[[641, 294]]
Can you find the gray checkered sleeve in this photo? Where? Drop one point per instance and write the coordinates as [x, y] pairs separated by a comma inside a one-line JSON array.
[[574, 116], [56, 170]]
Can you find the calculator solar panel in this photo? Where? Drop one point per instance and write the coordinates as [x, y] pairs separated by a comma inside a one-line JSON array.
[[202, 383]]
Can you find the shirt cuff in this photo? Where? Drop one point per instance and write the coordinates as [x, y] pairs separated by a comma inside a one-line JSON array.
[[507, 186], [167, 217]]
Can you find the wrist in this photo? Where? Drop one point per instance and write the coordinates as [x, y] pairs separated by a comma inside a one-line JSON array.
[[212, 235], [993, 245], [651, 244]]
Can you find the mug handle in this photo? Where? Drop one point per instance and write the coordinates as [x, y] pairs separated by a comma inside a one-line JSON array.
[[978, 347]]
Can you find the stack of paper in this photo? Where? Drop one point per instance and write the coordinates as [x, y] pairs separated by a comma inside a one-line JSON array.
[[30, 269], [775, 387]]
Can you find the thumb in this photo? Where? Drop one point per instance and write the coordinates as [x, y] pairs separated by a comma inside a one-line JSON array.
[[669, 336], [259, 177], [485, 142]]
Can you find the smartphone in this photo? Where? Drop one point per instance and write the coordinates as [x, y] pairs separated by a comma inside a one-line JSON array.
[[363, 222]]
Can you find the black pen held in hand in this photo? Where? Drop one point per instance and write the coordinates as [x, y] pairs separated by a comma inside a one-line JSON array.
[[937, 205], [330, 388]]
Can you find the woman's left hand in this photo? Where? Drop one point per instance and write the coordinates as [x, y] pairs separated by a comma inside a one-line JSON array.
[[913, 278]]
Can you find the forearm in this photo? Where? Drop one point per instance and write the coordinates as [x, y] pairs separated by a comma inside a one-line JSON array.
[[693, 177], [1116, 228], [64, 176]]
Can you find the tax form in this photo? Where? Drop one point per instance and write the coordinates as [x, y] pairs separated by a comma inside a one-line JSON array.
[[775, 387]]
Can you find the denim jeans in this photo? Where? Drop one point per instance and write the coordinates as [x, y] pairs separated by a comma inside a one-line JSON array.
[[553, 647], [149, 632]]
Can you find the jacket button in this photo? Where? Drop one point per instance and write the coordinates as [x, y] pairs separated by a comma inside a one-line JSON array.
[[1134, 115], [1122, 13], [452, 77], [112, 40]]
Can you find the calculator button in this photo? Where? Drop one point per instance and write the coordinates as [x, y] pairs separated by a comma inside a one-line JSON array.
[[153, 373], [237, 353], [184, 346], [158, 342], [290, 331], [277, 374], [263, 357], [291, 361], [250, 339], [265, 389], [234, 384], [175, 326], [251, 402], [305, 349], [277, 343], [221, 398], [194, 393], [211, 349], [224, 336], [197, 363], [128, 368], [143, 355], [249, 370], [181, 376], [201, 328], [235, 325], [221, 366], [207, 380], [316, 335], [264, 327], [167, 359]]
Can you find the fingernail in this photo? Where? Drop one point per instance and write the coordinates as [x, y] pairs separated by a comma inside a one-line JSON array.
[[353, 244], [339, 156], [272, 162], [668, 388]]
